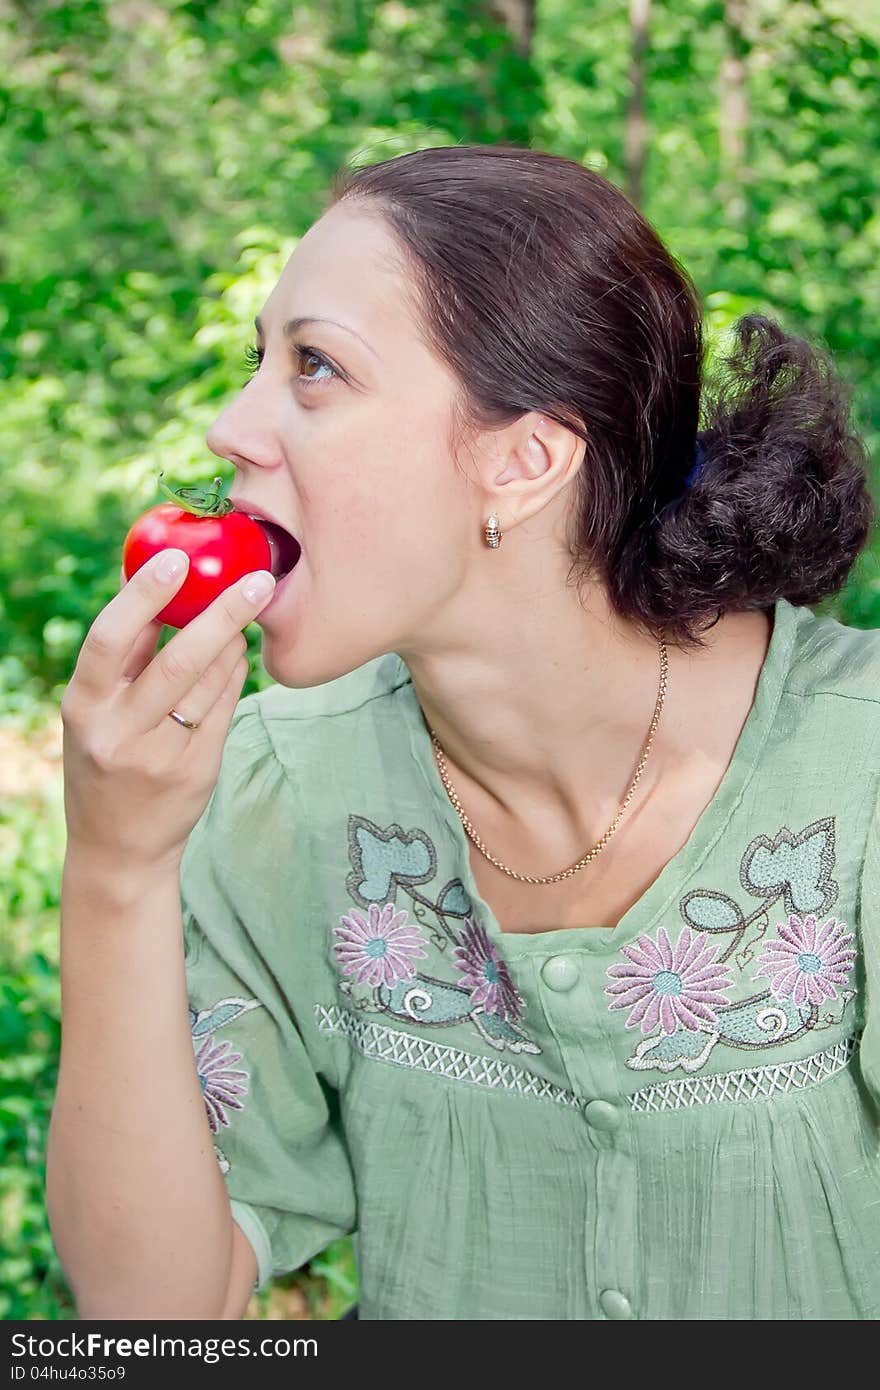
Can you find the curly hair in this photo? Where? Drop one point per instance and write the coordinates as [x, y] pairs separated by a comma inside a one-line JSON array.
[[544, 288]]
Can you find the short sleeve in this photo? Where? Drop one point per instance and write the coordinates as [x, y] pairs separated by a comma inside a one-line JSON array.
[[869, 918], [275, 1121]]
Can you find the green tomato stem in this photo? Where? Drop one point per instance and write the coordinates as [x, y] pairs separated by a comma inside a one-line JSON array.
[[199, 501]]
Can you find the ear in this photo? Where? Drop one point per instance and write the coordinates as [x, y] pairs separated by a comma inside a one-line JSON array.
[[540, 458]]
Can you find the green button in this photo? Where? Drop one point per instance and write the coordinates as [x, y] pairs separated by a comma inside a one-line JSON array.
[[615, 1304], [601, 1114], [560, 973]]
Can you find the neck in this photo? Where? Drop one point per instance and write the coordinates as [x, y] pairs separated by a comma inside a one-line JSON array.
[[542, 700]]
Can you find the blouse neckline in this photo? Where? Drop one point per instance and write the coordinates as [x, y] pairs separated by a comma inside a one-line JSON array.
[[669, 884]]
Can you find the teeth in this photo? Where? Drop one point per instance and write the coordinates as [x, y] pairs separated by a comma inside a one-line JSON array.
[[275, 561]]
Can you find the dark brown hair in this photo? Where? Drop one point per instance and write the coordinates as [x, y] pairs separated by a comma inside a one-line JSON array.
[[543, 288]]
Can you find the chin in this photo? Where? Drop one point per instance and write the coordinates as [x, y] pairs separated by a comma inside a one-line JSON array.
[[301, 670]]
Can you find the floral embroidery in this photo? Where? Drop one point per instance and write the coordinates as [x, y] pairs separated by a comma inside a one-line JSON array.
[[376, 948], [670, 987], [685, 1000], [485, 974], [222, 1083], [380, 948], [805, 963]]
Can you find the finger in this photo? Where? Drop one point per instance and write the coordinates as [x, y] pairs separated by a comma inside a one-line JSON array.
[[170, 677], [217, 716], [212, 683], [145, 647], [109, 642], [143, 651]]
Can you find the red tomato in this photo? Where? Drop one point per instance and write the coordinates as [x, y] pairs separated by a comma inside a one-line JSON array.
[[223, 545]]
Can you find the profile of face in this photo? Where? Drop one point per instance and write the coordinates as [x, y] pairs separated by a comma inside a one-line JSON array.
[[344, 435]]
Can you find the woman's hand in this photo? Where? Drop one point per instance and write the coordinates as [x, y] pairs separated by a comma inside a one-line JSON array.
[[135, 781]]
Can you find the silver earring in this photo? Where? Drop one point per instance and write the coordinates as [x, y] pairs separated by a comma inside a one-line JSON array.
[[493, 532]]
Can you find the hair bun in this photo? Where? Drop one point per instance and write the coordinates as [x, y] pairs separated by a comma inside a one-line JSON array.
[[786, 508]]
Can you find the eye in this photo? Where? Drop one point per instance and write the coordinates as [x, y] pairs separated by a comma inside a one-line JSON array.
[[253, 356], [306, 353]]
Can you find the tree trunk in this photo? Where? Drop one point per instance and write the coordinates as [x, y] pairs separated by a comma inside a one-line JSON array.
[[519, 17], [734, 114], [636, 133]]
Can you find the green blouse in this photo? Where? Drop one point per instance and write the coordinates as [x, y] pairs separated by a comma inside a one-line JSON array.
[[674, 1118]]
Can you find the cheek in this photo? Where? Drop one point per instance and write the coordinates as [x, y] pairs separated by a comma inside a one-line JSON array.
[[396, 499]]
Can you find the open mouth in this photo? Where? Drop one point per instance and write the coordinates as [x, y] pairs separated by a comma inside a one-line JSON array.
[[284, 547]]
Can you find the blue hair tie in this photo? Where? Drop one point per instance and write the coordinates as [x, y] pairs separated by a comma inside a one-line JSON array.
[[699, 460]]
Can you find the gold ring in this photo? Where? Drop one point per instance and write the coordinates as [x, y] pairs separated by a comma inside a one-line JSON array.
[[187, 723]]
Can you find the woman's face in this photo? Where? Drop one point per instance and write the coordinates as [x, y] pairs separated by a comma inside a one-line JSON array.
[[344, 436]]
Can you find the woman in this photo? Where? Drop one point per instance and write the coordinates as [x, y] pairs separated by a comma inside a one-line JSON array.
[[530, 917]]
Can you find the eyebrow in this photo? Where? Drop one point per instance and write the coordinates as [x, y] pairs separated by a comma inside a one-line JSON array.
[[294, 325]]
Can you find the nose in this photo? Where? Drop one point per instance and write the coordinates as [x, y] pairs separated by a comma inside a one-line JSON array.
[[244, 433]]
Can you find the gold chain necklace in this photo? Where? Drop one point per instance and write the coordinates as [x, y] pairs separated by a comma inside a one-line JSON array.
[[555, 878]]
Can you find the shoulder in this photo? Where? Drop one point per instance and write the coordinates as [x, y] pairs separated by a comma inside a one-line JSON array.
[[830, 729], [279, 767], [285, 723], [375, 679], [830, 658]]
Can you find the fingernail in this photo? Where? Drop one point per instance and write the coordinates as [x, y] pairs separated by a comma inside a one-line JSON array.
[[171, 564], [258, 586]]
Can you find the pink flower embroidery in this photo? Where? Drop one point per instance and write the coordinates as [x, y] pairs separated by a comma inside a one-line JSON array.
[[378, 950], [807, 963], [221, 1082], [670, 987], [485, 974]]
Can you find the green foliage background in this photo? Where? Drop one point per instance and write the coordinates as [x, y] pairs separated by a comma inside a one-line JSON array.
[[159, 160]]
